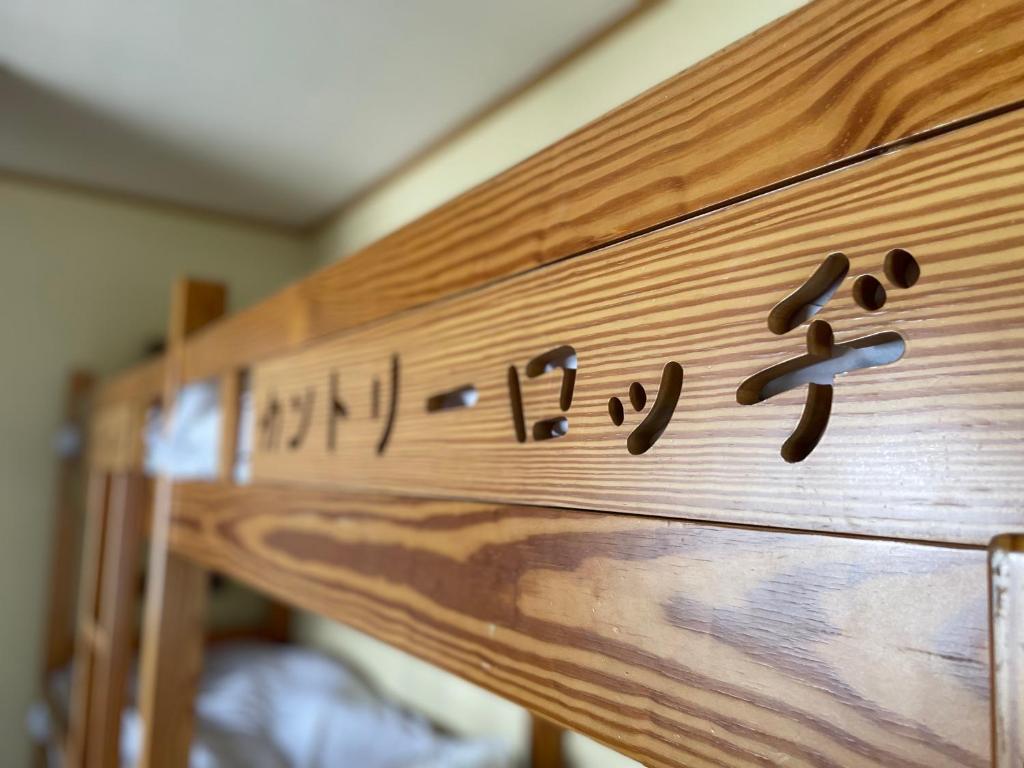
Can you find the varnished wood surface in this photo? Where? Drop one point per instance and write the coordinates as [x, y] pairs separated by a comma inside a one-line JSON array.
[[80, 726], [833, 79], [677, 644], [67, 525], [1006, 559], [172, 634], [142, 383], [113, 632], [547, 743], [116, 436], [927, 447], [118, 416]]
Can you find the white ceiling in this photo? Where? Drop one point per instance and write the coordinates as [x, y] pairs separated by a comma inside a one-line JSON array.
[[279, 110]]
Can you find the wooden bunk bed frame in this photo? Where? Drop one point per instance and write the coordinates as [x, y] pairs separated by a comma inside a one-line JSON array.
[[712, 583], [117, 520]]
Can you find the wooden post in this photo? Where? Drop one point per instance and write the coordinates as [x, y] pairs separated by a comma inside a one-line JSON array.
[[172, 638], [88, 605], [115, 620], [60, 632], [230, 390], [545, 744], [1006, 570]]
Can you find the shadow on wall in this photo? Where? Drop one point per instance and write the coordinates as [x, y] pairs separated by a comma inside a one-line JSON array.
[[60, 132]]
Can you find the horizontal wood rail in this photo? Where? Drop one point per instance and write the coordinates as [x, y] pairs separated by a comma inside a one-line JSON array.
[[142, 383], [831, 81], [715, 372], [676, 643]]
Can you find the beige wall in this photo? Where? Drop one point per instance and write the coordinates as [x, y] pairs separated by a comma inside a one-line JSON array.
[[84, 281], [666, 39]]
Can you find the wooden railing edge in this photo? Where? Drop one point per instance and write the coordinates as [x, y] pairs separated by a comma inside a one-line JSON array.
[[643, 164]]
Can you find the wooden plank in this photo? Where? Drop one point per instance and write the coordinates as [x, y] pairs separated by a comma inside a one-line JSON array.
[[172, 657], [172, 637], [1006, 560], [230, 410], [923, 447], [831, 80], [678, 644], [67, 524], [546, 744], [94, 535], [116, 436], [115, 628], [142, 383]]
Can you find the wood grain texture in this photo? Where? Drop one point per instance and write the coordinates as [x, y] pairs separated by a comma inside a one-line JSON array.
[[926, 447], [172, 636], [229, 392], [834, 79], [1006, 560], [140, 383], [114, 629], [172, 655], [89, 589], [678, 644], [546, 744], [116, 435]]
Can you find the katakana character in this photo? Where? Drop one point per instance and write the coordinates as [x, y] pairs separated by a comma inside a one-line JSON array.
[[647, 432], [824, 358]]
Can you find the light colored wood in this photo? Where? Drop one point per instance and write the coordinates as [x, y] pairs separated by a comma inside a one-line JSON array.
[[93, 635], [142, 383], [107, 619], [678, 644], [546, 744], [923, 448], [67, 524], [834, 79], [79, 723], [115, 626], [230, 391], [1006, 560], [116, 436], [172, 638], [172, 656]]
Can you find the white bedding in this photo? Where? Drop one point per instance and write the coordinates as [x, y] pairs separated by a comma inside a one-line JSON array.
[[189, 447], [268, 706]]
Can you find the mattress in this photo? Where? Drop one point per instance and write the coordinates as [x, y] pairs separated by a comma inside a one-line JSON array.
[[270, 706]]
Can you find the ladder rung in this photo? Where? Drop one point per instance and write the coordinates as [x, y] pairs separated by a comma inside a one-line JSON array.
[[94, 636]]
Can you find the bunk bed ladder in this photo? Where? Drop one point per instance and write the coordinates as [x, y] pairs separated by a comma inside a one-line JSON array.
[[59, 629], [110, 562], [171, 658]]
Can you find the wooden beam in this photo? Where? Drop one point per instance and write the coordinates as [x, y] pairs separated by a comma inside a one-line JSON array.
[[67, 524], [1006, 561], [230, 410], [547, 744], [172, 643], [141, 383], [833, 80], [689, 332], [678, 644], [115, 625], [80, 726]]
